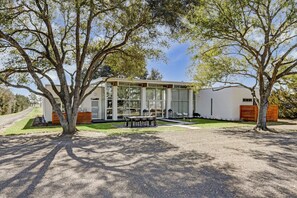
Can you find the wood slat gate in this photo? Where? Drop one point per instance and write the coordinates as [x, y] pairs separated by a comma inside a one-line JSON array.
[[250, 113]]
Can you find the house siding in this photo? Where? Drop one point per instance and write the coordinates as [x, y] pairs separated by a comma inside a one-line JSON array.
[[85, 106], [225, 103]]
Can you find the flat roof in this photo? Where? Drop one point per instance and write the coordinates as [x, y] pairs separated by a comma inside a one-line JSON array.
[[139, 81], [159, 82]]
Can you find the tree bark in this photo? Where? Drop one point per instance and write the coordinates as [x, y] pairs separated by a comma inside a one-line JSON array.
[[69, 124], [68, 119], [262, 113], [265, 92]]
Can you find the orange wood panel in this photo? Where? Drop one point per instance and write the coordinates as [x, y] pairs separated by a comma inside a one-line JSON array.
[[82, 118], [250, 113]]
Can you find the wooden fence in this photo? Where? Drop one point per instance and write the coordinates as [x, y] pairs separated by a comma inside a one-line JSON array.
[[82, 118], [250, 113]]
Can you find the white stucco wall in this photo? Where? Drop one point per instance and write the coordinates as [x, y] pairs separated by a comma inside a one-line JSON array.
[[226, 103], [85, 106]]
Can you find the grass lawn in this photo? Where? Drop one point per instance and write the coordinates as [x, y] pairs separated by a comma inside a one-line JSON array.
[[24, 126], [211, 123]]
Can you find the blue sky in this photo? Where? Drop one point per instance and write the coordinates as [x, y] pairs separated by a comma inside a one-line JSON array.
[[174, 69], [178, 61]]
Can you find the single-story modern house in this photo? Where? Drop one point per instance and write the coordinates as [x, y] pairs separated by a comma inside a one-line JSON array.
[[117, 98]]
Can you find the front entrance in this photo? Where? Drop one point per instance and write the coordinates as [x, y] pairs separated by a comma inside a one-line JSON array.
[[95, 105], [155, 98]]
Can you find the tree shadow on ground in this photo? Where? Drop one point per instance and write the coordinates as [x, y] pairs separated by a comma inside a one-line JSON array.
[[279, 152], [139, 165], [287, 141], [282, 122]]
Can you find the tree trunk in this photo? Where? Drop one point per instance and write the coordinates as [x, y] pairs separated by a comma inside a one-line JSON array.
[[68, 122], [69, 127], [262, 112], [68, 119]]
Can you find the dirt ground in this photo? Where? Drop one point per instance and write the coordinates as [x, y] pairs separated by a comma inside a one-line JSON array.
[[192, 163]]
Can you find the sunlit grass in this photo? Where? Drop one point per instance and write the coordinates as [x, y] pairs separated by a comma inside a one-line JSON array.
[[24, 126], [212, 123]]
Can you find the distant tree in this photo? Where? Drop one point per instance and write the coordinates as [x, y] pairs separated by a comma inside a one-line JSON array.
[[251, 43], [34, 100], [144, 75], [66, 38], [155, 75], [6, 101], [286, 98], [10, 103], [21, 103], [107, 71]]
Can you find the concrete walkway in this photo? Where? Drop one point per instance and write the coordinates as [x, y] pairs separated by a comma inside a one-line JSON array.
[[186, 126], [180, 123], [176, 121]]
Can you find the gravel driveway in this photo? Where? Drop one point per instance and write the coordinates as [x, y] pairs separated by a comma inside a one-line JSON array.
[[7, 120], [193, 163]]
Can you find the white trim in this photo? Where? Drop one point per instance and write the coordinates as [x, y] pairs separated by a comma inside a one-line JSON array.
[[105, 101], [114, 102], [168, 101], [143, 100], [191, 103]]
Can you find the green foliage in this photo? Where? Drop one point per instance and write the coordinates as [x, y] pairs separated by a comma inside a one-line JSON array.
[[171, 11], [21, 103], [117, 21], [6, 101], [120, 34], [10, 103], [122, 62], [233, 39], [107, 71], [154, 75], [214, 66], [286, 98], [34, 100], [71, 40]]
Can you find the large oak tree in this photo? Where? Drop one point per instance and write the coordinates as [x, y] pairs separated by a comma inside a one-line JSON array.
[[251, 43], [71, 39]]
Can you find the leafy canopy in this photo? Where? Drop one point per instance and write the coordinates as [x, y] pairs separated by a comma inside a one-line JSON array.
[[242, 42]]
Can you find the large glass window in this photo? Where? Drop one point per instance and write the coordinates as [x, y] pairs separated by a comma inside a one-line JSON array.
[[180, 100], [155, 98], [128, 101], [109, 100]]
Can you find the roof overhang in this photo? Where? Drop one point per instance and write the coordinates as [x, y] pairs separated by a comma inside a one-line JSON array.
[[143, 83]]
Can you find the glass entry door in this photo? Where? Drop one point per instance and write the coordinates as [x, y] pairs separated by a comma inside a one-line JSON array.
[[155, 98], [95, 108]]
